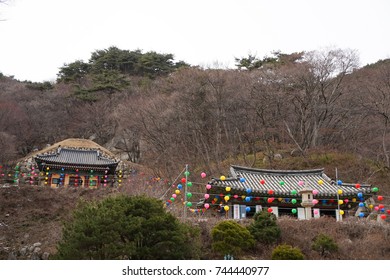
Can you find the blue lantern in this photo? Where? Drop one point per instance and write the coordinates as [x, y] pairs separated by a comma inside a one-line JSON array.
[[339, 182], [248, 191], [242, 180], [179, 186], [360, 195], [361, 204], [248, 209], [361, 214], [248, 198]]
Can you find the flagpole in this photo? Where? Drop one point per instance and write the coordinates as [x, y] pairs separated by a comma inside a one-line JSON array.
[[185, 192]]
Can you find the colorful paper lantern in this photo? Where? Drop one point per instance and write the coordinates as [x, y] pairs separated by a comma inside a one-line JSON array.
[[294, 211], [293, 201], [357, 186], [380, 198], [269, 210], [262, 182], [223, 178], [270, 192], [203, 175], [206, 196], [315, 192], [320, 182], [207, 206], [340, 191], [242, 180], [208, 186], [228, 189], [226, 208], [301, 183]]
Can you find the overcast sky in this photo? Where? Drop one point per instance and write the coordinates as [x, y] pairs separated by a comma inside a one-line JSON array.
[[39, 36]]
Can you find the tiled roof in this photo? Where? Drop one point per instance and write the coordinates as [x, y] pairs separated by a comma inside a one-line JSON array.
[[282, 182], [77, 157]]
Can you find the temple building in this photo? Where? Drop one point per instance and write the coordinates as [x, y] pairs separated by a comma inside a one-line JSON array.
[[302, 193], [76, 167]]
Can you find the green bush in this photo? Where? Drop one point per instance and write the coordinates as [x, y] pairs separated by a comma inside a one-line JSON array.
[[324, 245], [287, 252], [126, 227], [264, 228], [230, 238]]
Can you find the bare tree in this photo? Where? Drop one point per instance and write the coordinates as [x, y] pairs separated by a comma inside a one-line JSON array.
[[313, 91]]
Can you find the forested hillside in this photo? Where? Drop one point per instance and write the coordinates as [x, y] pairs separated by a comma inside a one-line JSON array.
[[164, 114]]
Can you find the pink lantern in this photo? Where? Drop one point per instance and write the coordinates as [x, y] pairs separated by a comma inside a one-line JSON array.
[[203, 175], [315, 201], [174, 195], [346, 200], [206, 195], [235, 196], [301, 183], [315, 212], [207, 206], [376, 208], [208, 186], [315, 192]]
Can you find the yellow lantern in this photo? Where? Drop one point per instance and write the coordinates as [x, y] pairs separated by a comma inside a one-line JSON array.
[[353, 199], [228, 189], [341, 202], [226, 208], [177, 191], [370, 206], [226, 198], [320, 182], [223, 178], [340, 191], [341, 212]]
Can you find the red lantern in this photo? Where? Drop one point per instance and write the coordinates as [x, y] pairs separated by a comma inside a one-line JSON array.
[[270, 200], [383, 217], [357, 186], [183, 180], [262, 182], [380, 198], [388, 211], [381, 206], [270, 192], [269, 210]]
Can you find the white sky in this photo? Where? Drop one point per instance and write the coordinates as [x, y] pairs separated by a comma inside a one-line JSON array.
[[39, 36]]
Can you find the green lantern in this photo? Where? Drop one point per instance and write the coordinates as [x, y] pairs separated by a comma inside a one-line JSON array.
[[189, 204], [189, 184], [187, 173]]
